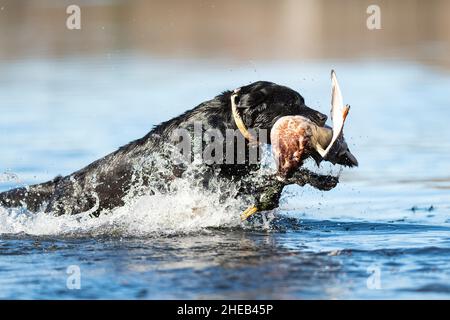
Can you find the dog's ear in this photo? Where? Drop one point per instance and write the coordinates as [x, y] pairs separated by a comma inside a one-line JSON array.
[[252, 99], [253, 95]]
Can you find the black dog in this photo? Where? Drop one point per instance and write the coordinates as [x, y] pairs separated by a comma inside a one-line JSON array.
[[106, 182]]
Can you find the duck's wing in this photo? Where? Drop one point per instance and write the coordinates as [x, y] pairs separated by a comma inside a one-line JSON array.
[[339, 113], [337, 102]]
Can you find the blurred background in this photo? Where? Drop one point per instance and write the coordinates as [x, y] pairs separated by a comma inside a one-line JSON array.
[[252, 29]]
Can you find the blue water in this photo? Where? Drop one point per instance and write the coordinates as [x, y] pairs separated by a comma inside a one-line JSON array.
[[384, 232]]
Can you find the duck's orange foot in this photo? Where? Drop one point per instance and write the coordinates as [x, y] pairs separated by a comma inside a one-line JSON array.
[[249, 212]]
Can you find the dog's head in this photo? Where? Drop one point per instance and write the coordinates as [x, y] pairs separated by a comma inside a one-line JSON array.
[[262, 103]]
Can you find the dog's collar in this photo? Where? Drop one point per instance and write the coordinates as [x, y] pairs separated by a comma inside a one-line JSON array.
[[238, 119]]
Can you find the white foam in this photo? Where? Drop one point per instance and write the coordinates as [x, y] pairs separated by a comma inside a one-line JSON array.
[[186, 211]]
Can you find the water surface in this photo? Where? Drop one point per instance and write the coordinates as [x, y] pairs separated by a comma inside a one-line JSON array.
[[387, 218]]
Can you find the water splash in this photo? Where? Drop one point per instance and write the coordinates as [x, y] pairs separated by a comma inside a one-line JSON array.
[[183, 212], [157, 208]]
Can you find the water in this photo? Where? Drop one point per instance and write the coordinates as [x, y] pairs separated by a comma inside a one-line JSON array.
[[382, 233]]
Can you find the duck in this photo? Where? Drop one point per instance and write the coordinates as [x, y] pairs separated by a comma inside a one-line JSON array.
[[296, 138]]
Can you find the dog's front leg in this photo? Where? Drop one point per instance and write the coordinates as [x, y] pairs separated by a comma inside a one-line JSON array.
[[318, 181], [268, 191]]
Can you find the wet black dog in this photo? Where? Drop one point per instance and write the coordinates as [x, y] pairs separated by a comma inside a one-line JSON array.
[[104, 183]]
